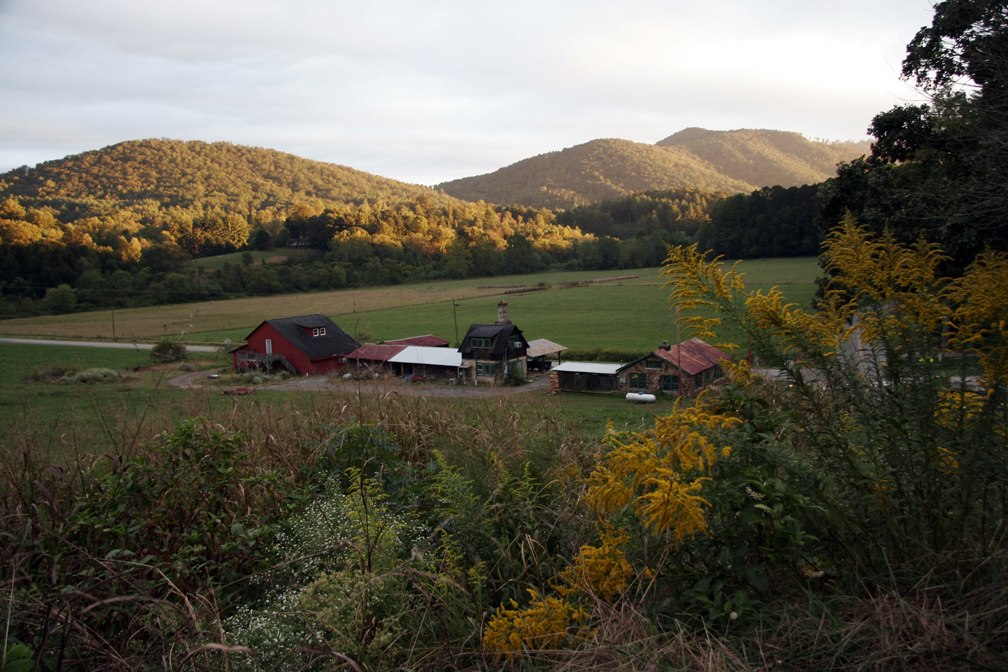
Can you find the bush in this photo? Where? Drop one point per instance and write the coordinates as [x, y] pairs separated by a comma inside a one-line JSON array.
[[97, 375], [168, 351]]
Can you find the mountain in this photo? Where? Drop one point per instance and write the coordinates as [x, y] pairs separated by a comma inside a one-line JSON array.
[[693, 159], [766, 158], [198, 176]]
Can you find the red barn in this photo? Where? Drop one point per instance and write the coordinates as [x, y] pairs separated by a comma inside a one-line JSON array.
[[303, 345]]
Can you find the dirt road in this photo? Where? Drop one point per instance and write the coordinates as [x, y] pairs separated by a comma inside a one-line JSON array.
[[102, 344]]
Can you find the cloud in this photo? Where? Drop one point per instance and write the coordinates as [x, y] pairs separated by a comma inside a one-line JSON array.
[[427, 92]]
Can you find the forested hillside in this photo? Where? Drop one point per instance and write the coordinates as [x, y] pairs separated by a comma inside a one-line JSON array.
[[694, 159], [263, 183], [118, 227], [594, 171], [766, 158]]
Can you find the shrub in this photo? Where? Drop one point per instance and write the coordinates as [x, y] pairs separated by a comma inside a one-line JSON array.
[[89, 376], [168, 351]]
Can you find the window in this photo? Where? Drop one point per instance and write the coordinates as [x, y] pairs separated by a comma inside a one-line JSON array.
[[515, 341], [318, 331], [485, 369], [653, 363], [479, 343], [638, 381], [670, 383]]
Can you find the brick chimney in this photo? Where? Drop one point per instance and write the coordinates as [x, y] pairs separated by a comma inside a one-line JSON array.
[[502, 314]]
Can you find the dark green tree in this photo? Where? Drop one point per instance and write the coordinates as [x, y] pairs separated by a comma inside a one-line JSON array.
[[940, 169]]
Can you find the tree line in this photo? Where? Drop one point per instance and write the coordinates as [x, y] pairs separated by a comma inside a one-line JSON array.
[[47, 265]]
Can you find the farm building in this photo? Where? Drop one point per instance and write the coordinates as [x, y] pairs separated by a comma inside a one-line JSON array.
[[370, 358], [655, 372], [416, 361], [303, 345], [659, 371], [421, 361], [489, 349], [539, 352], [584, 377]]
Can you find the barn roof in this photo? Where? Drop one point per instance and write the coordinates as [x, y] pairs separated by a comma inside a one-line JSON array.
[[697, 355], [428, 340], [335, 342]]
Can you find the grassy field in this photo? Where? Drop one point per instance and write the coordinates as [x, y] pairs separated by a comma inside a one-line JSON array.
[[258, 257], [55, 418], [628, 314]]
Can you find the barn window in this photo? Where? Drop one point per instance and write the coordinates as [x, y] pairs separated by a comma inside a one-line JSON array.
[[653, 363], [318, 331], [478, 343]]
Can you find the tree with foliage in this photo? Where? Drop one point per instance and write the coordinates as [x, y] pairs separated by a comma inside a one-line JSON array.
[[770, 222], [940, 169]]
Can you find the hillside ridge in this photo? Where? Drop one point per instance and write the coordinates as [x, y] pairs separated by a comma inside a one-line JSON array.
[[694, 158]]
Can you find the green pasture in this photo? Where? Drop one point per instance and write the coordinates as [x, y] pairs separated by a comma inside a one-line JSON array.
[[258, 257], [52, 418], [631, 314], [628, 314]]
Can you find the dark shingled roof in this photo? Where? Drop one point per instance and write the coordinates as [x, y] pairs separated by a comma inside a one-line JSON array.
[[499, 335], [335, 342]]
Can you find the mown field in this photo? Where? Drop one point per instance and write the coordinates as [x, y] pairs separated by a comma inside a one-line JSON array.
[[624, 314]]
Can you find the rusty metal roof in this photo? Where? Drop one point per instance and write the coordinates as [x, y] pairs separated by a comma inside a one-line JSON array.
[[697, 355], [376, 353]]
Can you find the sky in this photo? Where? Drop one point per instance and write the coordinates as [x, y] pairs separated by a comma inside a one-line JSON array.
[[426, 91]]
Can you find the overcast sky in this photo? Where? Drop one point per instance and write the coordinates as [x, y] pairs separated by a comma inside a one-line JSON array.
[[426, 91]]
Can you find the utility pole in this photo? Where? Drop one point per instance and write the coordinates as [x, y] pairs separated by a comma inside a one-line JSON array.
[[678, 350], [455, 315]]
